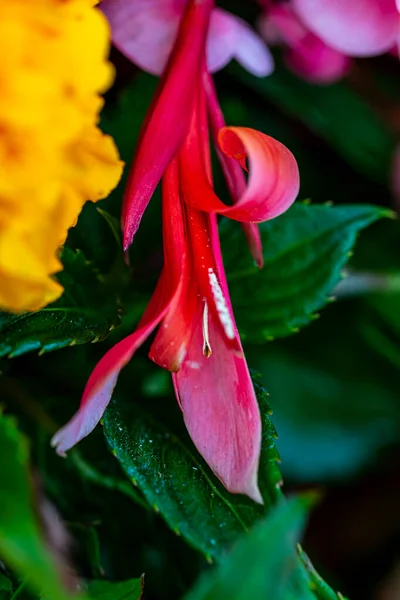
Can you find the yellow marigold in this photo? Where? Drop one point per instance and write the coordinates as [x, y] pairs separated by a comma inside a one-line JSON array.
[[53, 157]]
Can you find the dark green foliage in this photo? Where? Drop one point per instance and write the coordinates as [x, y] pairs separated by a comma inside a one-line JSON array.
[[304, 252], [22, 543], [84, 313]]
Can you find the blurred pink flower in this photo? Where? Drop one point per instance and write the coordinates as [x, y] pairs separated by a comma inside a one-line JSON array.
[[145, 32], [353, 27], [306, 54]]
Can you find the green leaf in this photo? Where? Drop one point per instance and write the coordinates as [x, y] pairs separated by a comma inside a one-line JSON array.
[[334, 112], [171, 474], [179, 485], [82, 314], [21, 545], [304, 250], [6, 587], [264, 563], [175, 480], [132, 589]]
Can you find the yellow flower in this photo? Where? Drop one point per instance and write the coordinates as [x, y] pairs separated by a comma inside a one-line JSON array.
[[53, 157]]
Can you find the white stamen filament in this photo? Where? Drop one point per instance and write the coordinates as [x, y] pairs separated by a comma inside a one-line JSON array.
[[207, 351], [221, 305]]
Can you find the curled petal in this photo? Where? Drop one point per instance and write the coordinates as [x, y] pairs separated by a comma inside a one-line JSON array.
[[273, 182], [356, 28], [220, 411], [233, 173], [103, 379]]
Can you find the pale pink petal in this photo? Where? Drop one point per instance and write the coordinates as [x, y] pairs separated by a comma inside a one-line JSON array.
[[356, 27], [220, 411], [252, 52], [144, 30], [231, 37]]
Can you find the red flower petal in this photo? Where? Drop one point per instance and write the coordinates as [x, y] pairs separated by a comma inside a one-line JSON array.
[[206, 271], [168, 119], [220, 411], [103, 379], [100, 386], [169, 347], [218, 401]]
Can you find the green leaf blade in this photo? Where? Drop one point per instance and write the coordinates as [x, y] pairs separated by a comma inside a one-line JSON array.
[[83, 314], [131, 589], [264, 563], [175, 481], [21, 543], [304, 252]]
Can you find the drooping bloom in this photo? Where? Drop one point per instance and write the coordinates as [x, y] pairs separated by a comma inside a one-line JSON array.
[[197, 339], [306, 54], [53, 157]]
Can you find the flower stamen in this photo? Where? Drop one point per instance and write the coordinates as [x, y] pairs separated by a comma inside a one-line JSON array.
[[207, 351]]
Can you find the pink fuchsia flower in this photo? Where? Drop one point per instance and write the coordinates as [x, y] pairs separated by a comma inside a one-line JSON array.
[[306, 54], [146, 30], [356, 28], [197, 339]]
